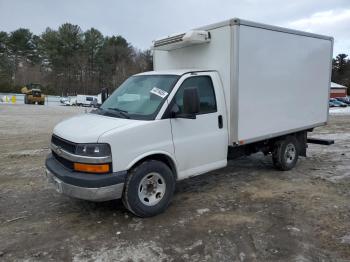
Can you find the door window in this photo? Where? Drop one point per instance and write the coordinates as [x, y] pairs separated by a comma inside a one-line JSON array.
[[206, 92]]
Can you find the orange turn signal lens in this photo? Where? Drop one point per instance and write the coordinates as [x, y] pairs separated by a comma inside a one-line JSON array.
[[103, 168]]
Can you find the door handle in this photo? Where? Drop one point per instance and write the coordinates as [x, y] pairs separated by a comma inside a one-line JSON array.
[[220, 121]]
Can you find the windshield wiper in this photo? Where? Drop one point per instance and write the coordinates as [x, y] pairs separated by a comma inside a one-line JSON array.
[[120, 111]]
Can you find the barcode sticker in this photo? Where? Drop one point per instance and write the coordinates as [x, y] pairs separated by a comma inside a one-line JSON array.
[[158, 92]]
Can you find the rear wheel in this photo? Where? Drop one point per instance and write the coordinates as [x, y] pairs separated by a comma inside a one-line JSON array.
[[149, 188], [285, 153]]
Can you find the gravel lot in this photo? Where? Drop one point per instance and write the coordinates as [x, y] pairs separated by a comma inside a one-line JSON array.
[[245, 212]]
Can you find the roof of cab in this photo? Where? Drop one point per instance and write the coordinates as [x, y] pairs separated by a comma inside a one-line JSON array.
[[172, 72]]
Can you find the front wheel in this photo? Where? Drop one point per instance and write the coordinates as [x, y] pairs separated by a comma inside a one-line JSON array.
[[149, 188], [285, 153]]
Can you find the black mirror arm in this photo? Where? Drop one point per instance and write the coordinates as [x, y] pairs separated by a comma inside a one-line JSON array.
[[175, 113]]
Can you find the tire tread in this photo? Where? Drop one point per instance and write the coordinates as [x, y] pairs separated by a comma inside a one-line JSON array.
[[126, 201], [277, 154]]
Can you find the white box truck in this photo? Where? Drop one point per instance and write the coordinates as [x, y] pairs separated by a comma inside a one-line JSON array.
[[218, 92], [88, 100]]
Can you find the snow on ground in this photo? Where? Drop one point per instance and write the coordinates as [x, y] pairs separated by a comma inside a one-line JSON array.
[[339, 111]]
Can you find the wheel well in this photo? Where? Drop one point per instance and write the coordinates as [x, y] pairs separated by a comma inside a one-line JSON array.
[[301, 138], [162, 158], [267, 146]]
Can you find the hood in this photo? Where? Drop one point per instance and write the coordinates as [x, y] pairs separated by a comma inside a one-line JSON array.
[[87, 128]]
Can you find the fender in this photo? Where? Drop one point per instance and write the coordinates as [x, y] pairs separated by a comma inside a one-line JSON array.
[[150, 153]]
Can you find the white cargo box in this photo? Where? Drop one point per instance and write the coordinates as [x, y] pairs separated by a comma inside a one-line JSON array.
[[275, 80]]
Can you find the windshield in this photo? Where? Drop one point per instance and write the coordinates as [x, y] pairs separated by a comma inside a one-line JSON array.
[[140, 97]]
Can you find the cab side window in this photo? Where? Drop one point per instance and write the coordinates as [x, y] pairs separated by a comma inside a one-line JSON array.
[[206, 92]]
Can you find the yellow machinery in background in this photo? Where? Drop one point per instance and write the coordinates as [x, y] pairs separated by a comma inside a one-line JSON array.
[[33, 94]]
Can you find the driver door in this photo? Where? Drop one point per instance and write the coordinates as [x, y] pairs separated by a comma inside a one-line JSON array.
[[201, 144]]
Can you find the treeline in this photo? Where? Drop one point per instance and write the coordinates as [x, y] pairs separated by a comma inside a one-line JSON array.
[[68, 61], [341, 70]]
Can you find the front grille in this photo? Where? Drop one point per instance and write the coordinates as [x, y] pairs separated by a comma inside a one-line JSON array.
[[68, 164], [64, 144]]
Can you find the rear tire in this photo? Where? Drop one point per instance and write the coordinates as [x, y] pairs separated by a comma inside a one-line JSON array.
[[149, 188], [285, 153]]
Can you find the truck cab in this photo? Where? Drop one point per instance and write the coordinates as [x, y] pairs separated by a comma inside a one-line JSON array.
[[155, 129]]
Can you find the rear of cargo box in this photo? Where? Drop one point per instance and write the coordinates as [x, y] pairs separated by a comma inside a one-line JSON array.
[[280, 82]]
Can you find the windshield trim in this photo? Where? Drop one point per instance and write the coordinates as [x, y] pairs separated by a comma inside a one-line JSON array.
[[149, 117]]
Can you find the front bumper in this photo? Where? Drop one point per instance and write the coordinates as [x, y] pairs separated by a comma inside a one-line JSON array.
[[101, 187]]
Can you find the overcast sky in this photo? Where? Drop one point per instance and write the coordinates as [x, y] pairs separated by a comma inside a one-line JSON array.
[[141, 21]]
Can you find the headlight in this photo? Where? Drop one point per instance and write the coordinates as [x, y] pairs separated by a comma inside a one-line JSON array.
[[93, 150]]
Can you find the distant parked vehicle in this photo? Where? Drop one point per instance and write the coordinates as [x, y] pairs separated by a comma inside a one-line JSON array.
[[337, 103], [84, 100], [32, 94], [71, 101], [345, 100], [331, 104], [64, 99]]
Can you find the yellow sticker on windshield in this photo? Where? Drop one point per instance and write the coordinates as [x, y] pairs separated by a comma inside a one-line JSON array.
[[158, 92]]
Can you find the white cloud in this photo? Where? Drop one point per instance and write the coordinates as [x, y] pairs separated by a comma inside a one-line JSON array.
[[334, 23]]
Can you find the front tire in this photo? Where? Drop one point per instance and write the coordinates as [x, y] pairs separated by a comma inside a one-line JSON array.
[[149, 188], [285, 153]]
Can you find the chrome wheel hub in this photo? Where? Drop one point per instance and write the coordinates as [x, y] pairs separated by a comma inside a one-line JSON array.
[[290, 153], [151, 189]]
